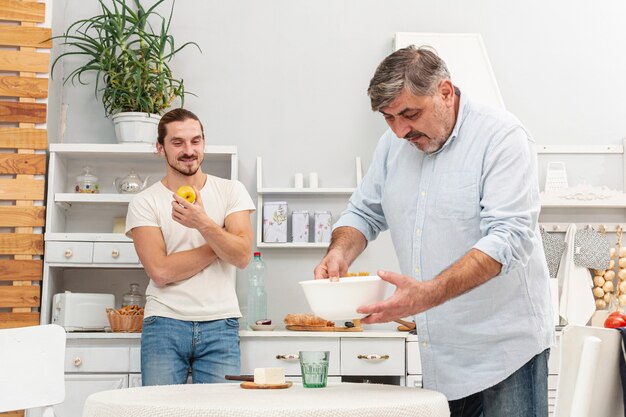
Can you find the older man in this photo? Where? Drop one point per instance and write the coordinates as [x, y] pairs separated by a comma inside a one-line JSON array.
[[456, 184]]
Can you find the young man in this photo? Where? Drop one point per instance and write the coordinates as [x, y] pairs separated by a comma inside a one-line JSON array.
[[190, 252], [456, 184]]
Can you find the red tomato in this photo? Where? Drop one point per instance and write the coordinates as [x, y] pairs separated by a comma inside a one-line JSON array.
[[617, 314], [615, 321]]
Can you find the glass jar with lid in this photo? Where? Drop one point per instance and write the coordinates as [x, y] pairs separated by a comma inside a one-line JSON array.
[[133, 297], [86, 182]]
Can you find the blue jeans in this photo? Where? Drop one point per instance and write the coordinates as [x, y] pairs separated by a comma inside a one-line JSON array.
[[170, 348], [523, 394]]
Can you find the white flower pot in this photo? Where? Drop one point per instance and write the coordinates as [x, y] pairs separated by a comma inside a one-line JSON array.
[[134, 127]]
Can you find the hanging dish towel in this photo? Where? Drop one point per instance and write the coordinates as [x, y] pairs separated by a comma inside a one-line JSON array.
[[576, 304], [592, 249], [553, 247]]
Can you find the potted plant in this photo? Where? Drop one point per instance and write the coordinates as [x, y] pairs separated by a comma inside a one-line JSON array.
[[129, 48]]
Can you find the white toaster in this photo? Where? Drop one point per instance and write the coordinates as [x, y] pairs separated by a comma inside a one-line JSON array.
[[81, 311]]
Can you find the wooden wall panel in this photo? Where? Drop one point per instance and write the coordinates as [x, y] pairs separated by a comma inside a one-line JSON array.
[[13, 320], [24, 61], [21, 244], [33, 37], [12, 216], [22, 11], [20, 47], [22, 112], [26, 296], [22, 189], [24, 87], [14, 138], [33, 164], [21, 270]]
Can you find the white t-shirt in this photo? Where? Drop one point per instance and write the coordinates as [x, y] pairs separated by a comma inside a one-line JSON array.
[[210, 294]]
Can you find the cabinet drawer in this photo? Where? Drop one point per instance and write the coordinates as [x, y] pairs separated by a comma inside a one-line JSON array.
[[69, 252], [372, 356], [413, 361], [281, 352], [95, 359], [114, 252]]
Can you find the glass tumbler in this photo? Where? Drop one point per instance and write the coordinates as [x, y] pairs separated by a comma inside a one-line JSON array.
[[314, 367]]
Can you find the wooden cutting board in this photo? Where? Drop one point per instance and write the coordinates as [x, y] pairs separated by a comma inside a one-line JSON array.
[[324, 328], [252, 385]]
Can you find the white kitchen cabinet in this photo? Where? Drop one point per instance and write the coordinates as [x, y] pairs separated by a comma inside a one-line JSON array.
[[354, 356], [283, 353], [82, 254], [310, 199]]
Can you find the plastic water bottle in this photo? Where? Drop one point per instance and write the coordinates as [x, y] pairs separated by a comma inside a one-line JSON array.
[[257, 297]]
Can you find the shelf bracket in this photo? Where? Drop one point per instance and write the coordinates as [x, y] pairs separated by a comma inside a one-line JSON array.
[[64, 205]]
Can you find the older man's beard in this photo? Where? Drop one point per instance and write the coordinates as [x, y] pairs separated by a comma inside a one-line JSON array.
[[436, 141]]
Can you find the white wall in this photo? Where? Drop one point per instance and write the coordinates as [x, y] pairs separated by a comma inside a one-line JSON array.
[[287, 79]]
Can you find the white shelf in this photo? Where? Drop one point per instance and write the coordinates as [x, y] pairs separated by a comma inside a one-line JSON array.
[[292, 245], [66, 265], [316, 192], [304, 191], [87, 198], [554, 201], [141, 150], [87, 237]]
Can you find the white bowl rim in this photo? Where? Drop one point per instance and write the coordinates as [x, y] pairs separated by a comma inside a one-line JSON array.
[[263, 327], [343, 280]]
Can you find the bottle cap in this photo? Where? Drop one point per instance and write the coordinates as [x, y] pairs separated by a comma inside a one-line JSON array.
[[257, 253]]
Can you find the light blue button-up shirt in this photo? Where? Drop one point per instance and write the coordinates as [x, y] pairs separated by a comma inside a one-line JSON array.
[[480, 190]]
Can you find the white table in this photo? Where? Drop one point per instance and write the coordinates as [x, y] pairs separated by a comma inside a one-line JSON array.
[[229, 400]]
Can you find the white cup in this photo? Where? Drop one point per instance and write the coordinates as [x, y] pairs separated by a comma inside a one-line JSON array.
[[298, 180], [313, 180]]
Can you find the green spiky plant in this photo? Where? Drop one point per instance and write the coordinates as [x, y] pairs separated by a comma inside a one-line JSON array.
[[128, 56]]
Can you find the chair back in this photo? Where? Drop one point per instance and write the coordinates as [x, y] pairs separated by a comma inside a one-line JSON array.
[[32, 367], [589, 378]]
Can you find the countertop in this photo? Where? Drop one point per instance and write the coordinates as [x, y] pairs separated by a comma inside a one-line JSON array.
[[252, 333]]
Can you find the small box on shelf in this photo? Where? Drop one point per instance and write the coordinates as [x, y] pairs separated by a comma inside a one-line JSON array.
[[275, 221]]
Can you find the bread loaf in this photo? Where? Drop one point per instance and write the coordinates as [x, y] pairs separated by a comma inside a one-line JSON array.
[[307, 320]]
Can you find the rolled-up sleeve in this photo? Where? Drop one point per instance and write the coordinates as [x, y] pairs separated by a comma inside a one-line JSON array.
[[509, 202], [364, 211]]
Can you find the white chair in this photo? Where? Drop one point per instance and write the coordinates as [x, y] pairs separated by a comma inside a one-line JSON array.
[[32, 367], [589, 379]]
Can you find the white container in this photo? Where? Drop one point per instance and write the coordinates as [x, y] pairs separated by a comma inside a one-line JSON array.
[[298, 180], [134, 127], [313, 183], [275, 222], [323, 226], [300, 226], [339, 300]]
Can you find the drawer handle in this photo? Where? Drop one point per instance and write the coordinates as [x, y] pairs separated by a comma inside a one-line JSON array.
[[373, 357], [288, 356], [78, 361], [68, 253], [115, 253]]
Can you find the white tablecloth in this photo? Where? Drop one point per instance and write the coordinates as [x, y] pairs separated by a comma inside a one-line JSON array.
[[229, 400]]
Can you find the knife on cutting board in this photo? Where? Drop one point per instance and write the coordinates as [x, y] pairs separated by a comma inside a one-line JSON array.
[[248, 378]]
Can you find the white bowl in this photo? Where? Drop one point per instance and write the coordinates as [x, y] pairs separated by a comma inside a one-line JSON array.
[[339, 300], [263, 327]]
